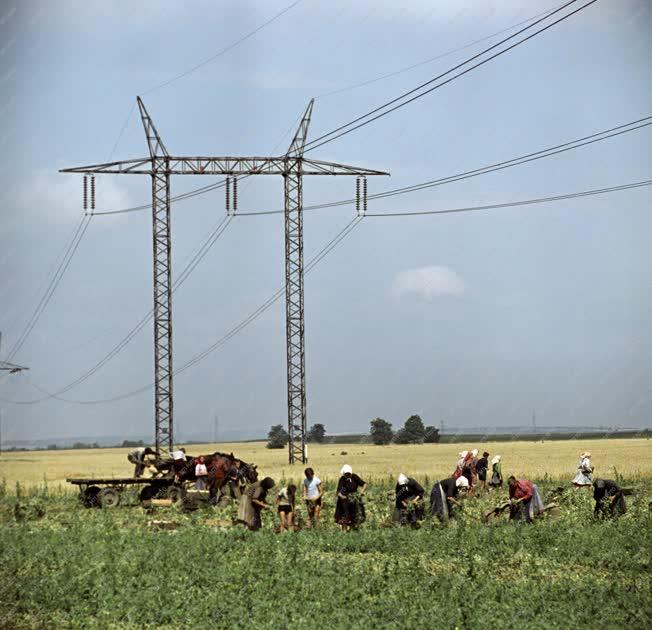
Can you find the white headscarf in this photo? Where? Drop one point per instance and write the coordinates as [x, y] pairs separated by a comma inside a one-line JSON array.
[[462, 482], [402, 479], [474, 452], [463, 454], [496, 459], [346, 469]]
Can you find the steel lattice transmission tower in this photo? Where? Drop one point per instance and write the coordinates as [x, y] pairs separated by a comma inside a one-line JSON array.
[[160, 165], [294, 320]]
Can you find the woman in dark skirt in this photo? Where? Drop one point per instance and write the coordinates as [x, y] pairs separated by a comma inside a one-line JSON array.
[[408, 508], [349, 510], [444, 497]]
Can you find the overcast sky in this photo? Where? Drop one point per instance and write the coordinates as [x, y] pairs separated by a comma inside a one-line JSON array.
[[475, 319]]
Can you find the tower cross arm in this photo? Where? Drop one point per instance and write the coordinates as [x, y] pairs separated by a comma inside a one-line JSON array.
[[139, 166], [319, 167], [203, 165]]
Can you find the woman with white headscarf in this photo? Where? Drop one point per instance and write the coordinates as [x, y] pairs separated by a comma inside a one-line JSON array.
[[444, 497], [349, 510], [496, 473], [583, 477], [409, 501]]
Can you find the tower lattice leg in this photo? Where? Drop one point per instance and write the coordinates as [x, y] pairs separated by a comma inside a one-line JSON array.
[[296, 363], [163, 406]]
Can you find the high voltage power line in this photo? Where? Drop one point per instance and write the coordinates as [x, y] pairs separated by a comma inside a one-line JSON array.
[[314, 261], [512, 204], [435, 58], [400, 101], [528, 157], [568, 145], [312, 144], [489, 168], [369, 117], [195, 259], [80, 230], [65, 260], [324, 251], [224, 50]]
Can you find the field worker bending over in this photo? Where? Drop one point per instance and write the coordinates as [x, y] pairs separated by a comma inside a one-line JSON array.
[[252, 503], [312, 494], [444, 497], [525, 500], [140, 458], [583, 477], [609, 498], [349, 510], [285, 500], [409, 501]]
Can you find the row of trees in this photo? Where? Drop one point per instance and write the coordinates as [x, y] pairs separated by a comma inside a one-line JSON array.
[[412, 432], [278, 437]]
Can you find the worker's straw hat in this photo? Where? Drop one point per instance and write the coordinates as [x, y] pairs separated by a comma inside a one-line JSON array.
[[464, 453], [474, 452], [402, 479], [587, 454], [346, 469], [496, 459]]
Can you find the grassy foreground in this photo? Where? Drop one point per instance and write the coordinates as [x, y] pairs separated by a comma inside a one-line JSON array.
[[66, 566], [556, 459]]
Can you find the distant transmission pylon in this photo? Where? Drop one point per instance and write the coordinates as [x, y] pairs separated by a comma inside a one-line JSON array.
[[292, 166]]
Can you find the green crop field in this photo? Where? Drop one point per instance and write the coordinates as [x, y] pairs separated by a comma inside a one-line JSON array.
[[67, 566]]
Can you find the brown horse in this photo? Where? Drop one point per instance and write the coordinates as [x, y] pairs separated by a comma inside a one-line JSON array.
[[221, 467]]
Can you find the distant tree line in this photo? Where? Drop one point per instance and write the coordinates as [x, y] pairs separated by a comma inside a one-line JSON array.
[[412, 432], [278, 437]]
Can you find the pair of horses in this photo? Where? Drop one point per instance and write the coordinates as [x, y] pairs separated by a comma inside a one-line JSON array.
[[221, 467]]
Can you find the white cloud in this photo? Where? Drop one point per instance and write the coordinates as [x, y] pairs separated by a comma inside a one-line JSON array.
[[427, 282]]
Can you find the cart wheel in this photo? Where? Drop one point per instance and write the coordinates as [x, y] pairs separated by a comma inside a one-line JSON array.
[[109, 497], [173, 493], [91, 496], [148, 493]]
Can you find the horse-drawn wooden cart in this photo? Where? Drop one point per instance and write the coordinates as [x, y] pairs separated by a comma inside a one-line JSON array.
[[107, 492]]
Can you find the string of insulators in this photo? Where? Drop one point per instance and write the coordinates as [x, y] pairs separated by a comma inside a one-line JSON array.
[[364, 195], [357, 195], [235, 195], [92, 192], [228, 195], [85, 193]]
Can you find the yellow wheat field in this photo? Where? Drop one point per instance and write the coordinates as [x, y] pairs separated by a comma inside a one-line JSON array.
[[558, 459]]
